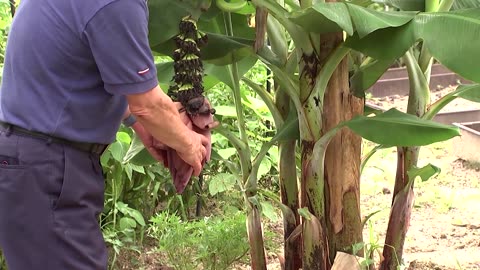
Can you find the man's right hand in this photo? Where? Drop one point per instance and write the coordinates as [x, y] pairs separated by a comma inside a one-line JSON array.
[[159, 115], [195, 153]]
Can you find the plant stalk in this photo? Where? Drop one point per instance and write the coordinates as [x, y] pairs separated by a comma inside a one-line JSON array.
[[407, 158]]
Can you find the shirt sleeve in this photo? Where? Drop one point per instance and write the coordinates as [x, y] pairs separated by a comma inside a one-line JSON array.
[[118, 38]]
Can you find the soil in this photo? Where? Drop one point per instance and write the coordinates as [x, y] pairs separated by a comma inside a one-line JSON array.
[[400, 102]]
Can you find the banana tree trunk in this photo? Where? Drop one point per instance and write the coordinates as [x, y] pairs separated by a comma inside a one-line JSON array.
[[401, 209], [312, 189], [407, 158], [289, 191], [342, 182], [255, 238]]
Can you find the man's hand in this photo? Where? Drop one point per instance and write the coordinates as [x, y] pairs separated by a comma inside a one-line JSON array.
[[157, 149], [195, 153]]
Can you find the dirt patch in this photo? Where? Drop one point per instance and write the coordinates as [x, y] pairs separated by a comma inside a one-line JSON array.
[[400, 101]]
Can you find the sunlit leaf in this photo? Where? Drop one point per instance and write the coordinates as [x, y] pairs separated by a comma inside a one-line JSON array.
[[469, 92], [269, 211], [265, 167], [324, 18], [127, 223], [117, 151], [221, 183], [396, 128], [424, 173], [137, 154], [228, 111], [368, 20], [226, 153]]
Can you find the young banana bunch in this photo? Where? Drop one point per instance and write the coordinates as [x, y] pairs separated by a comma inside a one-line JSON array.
[[187, 87]]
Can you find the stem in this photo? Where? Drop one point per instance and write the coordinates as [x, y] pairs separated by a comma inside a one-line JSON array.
[[236, 83], [419, 94], [426, 60], [432, 5], [236, 142], [267, 98], [323, 77], [252, 182], [445, 5]]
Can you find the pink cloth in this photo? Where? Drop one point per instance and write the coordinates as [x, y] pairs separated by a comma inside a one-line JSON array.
[[181, 171]]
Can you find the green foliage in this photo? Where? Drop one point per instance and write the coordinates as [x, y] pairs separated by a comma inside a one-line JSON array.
[[211, 243], [131, 194], [397, 129], [5, 21]]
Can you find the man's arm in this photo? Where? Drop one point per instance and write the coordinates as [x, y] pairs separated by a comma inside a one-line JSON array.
[[156, 112]]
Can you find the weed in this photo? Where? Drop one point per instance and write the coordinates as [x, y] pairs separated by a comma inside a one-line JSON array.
[[215, 243]]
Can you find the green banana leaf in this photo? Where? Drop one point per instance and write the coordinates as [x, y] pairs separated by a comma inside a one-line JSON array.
[[368, 20], [469, 92], [367, 75], [334, 17], [395, 128], [464, 4], [451, 38], [425, 172], [324, 18], [164, 25], [220, 49]]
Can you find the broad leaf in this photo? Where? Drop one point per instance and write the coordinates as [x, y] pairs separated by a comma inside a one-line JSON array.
[[452, 38], [324, 18], [449, 36], [227, 111], [366, 76], [464, 4], [137, 154], [469, 92], [226, 153], [424, 173], [127, 223], [269, 211], [395, 128], [221, 183], [368, 20], [164, 25], [386, 44], [220, 48], [336, 17]]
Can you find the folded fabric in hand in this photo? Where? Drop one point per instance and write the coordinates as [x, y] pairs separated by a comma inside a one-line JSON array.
[[201, 123]]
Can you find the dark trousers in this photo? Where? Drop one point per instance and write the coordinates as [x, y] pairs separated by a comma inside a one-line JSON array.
[[50, 199]]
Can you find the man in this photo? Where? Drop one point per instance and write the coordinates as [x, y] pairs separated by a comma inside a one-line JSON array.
[[73, 70]]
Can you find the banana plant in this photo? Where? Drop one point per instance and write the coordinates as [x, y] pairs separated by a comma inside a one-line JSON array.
[[419, 104]]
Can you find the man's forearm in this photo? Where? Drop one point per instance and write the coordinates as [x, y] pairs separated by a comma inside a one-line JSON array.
[[156, 112]]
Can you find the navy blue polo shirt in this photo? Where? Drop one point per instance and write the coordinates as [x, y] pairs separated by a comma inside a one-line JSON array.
[[70, 63]]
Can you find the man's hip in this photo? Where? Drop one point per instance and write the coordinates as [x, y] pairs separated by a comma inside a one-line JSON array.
[[50, 199]]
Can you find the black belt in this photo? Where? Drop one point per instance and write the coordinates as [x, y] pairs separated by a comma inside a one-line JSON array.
[[95, 148]]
